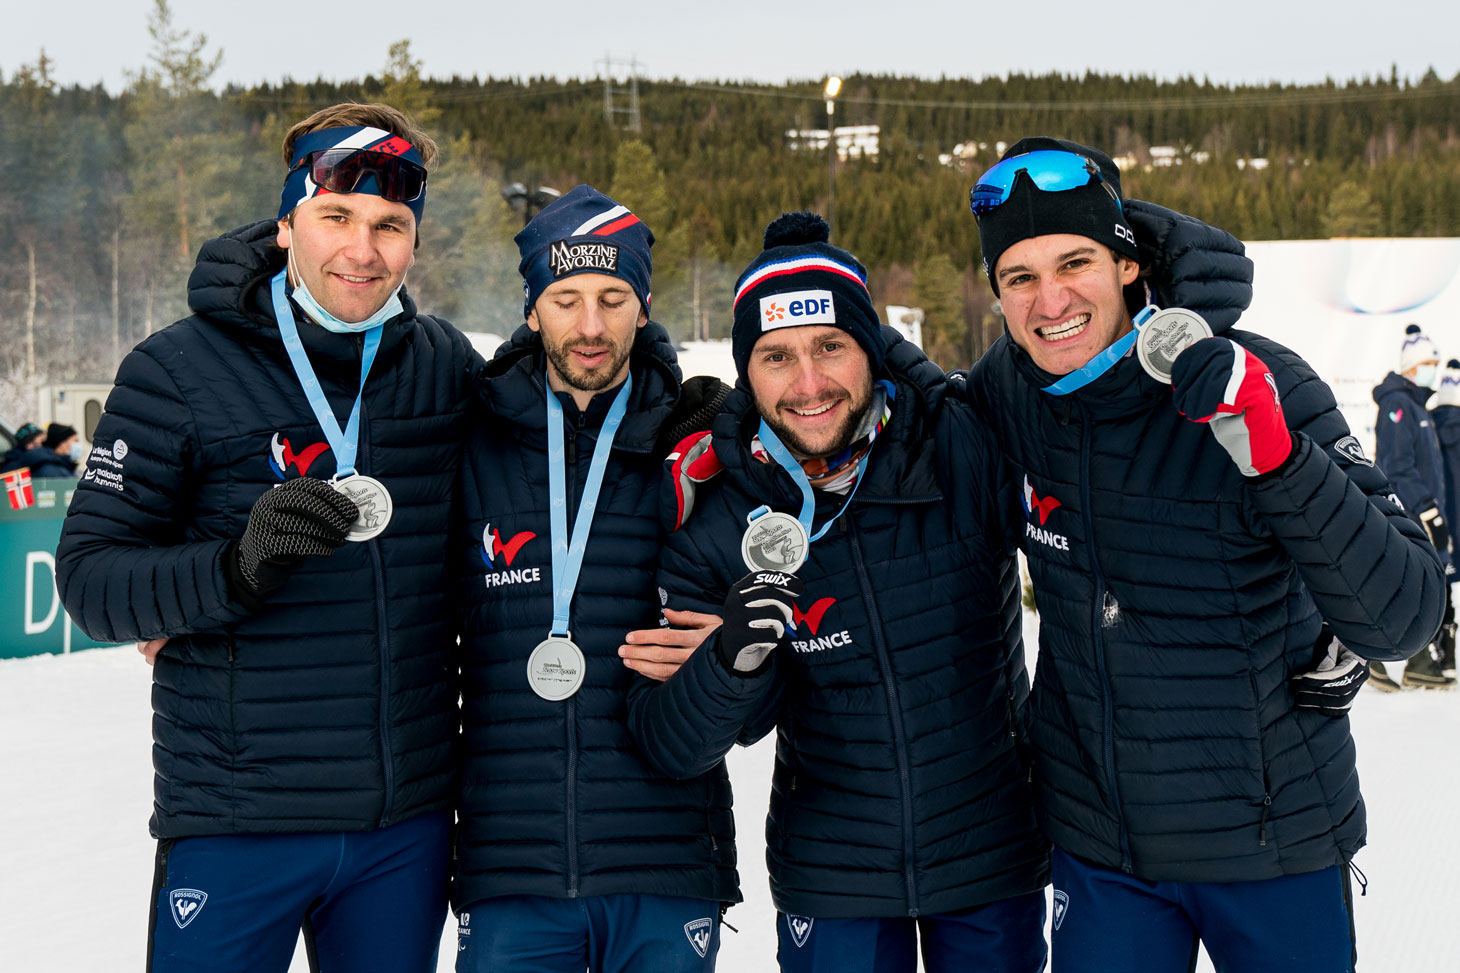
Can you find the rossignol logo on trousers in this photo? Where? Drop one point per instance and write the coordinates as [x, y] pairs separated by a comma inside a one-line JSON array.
[[800, 927], [1061, 906], [698, 932], [185, 904]]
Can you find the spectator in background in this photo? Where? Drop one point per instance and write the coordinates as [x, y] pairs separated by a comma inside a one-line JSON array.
[[1408, 451], [53, 453], [1446, 415]]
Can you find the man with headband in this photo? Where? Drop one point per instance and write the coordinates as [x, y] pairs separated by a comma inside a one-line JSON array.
[[1212, 555], [267, 501], [572, 851], [901, 805]]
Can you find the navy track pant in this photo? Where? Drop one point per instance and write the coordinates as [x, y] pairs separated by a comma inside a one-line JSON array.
[[599, 933], [367, 901], [1109, 922], [1001, 937]]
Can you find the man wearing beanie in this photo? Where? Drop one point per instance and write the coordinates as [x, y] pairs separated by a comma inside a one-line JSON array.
[[900, 807], [52, 452], [572, 851], [268, 499], [1188, 538], [1407, 444]]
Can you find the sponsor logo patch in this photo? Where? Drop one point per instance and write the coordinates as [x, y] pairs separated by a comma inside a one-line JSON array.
[[1061, 906], [185, 905], [1349, 446], [811, 619], [795, 308], [698, 931], [567, 258], [800, 927], [1040, 508]]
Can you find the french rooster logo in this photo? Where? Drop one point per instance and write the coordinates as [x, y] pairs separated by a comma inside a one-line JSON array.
[[492, 546], [282, 456], [812, 616], [1033, 502]]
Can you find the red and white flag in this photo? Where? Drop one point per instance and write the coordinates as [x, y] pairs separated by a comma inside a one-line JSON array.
[[18, 489]]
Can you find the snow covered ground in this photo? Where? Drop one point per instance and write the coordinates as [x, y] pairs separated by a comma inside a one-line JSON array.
[[76, 792]]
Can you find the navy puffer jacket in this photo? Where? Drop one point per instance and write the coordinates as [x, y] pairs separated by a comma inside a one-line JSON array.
[[556, 799], [1177, 598], [901, 784], [1447, 427], [334, 707], [1407, 446]]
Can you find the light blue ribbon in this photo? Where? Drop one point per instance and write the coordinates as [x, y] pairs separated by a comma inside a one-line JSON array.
[[568, 554], [787, 462], [346, 442], [1102, 362]]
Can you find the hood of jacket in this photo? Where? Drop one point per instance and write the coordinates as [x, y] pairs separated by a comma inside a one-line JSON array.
[[513, 386], [1396, 384]]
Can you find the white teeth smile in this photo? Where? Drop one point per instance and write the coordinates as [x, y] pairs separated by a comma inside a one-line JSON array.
[[354, 280], [1066, 329], [813, 412]]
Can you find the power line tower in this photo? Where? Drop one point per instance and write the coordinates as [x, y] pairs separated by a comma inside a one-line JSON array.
[[615, 95]]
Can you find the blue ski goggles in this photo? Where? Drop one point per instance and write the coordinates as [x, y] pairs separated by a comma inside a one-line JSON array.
[[1050, 170]]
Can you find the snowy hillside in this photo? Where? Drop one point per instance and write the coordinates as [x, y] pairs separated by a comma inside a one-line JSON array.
[[76, 861]]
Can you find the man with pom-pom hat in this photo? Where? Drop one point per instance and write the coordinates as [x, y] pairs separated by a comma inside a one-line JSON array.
[[1408, 448], [900, 808]]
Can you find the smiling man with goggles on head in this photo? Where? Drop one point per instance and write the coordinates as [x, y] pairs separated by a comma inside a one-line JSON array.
[[1206, 601]]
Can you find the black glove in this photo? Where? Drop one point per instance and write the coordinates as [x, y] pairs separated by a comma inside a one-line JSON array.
[[758, 611], [301, 518], [1335, 679], [1190, 264], [1435, 524]]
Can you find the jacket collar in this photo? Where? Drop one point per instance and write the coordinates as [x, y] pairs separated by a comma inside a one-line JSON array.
[[902, 466], [513, 387]]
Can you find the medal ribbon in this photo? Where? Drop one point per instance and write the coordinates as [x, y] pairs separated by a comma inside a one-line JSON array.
[[1102, 362], [346, 442], [787, 462], [568, 554]]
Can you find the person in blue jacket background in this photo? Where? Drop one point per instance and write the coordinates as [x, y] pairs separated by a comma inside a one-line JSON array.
[[1446, 415], [1212, 557], [1407, 448]]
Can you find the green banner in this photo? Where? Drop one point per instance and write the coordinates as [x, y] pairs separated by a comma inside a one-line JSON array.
[[32, 621]]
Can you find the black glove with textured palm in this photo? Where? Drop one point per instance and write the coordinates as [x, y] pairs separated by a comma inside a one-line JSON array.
[[301, 518]]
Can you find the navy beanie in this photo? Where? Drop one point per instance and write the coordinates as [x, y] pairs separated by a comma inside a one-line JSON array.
[[1092, 211], [801, 279], [584, 232]]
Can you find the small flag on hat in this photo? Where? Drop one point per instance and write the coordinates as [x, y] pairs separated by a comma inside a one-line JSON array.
[[18, 489]]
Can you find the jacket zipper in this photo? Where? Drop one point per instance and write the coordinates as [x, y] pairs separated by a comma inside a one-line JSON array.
[[899, 735], [1097, 619]]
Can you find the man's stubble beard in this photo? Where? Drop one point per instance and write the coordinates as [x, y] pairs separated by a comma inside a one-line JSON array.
[[584, 380], [844, 435]]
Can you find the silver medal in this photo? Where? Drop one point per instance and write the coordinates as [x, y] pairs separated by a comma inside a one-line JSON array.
[[1164, 336], [774, 541], [555, 668], [373, 500]]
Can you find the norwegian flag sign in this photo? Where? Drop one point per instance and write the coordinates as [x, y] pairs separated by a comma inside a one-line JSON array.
[[18, 489]]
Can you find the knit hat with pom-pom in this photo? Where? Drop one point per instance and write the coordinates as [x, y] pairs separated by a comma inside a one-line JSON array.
[[1417, 349], [800, 279]]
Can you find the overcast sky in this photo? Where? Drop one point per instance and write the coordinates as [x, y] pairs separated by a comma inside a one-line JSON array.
[[1238, 41]]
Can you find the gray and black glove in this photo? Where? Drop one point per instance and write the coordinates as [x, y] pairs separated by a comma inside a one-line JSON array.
[[1190, 264], [1335, 679], [301, 518], [757, 614]]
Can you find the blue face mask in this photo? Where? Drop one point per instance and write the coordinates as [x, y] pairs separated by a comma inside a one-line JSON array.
[[328, 321], [1424, 376]]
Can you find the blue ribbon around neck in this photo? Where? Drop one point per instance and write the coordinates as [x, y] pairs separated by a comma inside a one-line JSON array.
[[1102, 362]]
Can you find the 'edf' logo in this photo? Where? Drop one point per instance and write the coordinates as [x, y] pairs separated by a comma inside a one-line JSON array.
[[795, 308]]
